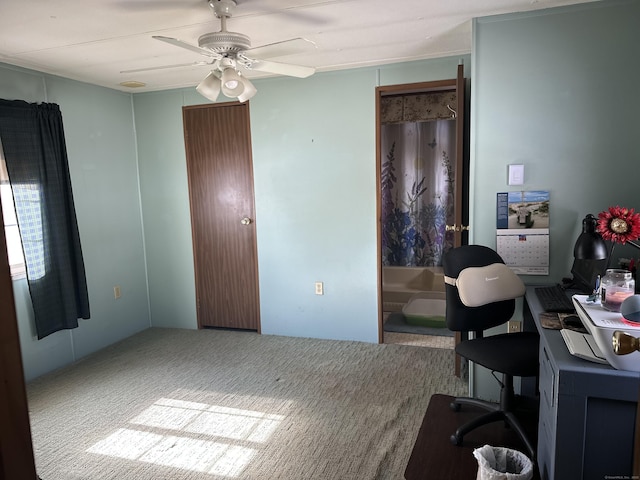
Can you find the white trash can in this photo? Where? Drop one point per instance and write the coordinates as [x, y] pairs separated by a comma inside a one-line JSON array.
[[499, 463]]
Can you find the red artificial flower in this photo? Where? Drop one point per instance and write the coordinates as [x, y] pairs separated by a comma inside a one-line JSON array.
[[619, 225]]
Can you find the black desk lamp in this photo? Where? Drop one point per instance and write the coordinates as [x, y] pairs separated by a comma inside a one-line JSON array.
[[590, 255], [590, 244]]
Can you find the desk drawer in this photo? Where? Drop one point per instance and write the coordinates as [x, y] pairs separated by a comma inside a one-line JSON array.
[[548, 380], [547, 423]]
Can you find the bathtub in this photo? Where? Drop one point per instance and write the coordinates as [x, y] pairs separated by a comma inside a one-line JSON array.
[[399, 284]]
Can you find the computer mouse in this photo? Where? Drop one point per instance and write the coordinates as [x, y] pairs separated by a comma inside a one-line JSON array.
[[572, 321]]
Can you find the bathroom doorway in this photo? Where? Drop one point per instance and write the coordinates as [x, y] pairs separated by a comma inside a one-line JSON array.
[[422, 187]]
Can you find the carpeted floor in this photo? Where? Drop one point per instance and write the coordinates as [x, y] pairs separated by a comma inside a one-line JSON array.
[[209, 404]]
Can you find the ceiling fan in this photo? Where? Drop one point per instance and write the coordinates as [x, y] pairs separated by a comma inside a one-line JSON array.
[[230, 50]]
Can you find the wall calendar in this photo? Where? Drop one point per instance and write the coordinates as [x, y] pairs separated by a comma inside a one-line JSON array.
[[522, 231]]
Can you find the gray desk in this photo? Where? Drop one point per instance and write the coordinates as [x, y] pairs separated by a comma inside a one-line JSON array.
[[587, 411]]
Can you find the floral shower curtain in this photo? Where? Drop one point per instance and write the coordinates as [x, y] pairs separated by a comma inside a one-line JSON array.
[[417, 182]]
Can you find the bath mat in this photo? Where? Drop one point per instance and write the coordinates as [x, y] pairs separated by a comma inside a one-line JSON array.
[[396, 322]]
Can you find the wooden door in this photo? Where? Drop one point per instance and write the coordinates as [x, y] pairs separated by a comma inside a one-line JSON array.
[[219, 168], [461, 227]]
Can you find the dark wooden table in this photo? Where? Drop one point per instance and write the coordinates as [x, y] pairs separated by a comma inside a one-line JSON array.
[[435, 457]]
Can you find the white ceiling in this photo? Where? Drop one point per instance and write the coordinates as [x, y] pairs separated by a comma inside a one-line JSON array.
[[94, 40]]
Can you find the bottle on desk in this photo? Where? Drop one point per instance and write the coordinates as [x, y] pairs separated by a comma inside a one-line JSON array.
[[616, 286]]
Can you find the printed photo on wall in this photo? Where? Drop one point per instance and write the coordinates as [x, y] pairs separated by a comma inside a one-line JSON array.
[[523, 210]]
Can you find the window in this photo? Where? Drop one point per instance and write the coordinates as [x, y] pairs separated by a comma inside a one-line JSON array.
[[14, 245]]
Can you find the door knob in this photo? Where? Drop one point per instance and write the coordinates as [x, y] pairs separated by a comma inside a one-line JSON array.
[[245, 221]]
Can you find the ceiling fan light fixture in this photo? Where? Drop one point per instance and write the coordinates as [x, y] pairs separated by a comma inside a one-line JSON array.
[[210, 87], [249, 90], [232, 84]]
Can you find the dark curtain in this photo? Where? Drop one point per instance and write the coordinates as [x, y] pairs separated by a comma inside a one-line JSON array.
[[35, 153]]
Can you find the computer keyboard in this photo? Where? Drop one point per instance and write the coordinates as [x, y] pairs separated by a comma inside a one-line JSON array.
[[554, 299]]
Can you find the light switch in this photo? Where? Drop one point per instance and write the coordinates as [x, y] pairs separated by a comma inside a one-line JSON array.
[[516, 174]]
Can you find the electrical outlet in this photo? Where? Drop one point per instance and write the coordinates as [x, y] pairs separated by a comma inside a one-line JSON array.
[[116, 292], [514, 326], [319, 288]]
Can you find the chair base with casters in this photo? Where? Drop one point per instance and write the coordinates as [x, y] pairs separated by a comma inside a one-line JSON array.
[[503, 411], [524, 347], [510, 355]]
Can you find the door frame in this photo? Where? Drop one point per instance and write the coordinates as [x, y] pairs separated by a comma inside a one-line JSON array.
[[461, 176], [16, 446]]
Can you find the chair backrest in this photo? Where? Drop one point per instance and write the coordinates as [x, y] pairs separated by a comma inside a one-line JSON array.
[[459, 317]]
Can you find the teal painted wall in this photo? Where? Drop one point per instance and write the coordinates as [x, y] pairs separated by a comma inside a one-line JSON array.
[[313, 144], [165, 206], [101, 147], [556, 90], [314, 157]]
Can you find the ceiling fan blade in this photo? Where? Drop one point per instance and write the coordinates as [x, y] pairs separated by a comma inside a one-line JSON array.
[[188, 46], [276, 67], [280, 49], [177, 65]]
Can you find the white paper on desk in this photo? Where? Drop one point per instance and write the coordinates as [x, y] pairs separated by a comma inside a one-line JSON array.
[[583, 345], [600, 316]]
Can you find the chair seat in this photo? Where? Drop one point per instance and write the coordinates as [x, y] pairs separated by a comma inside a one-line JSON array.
[[515, 354]]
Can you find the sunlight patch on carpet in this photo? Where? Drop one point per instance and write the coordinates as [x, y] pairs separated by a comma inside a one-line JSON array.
[[220, 457]]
